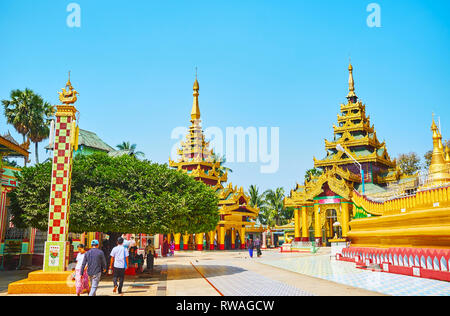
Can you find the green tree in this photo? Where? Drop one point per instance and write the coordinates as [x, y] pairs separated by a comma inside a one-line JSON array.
[[276, 213], [117, 195], [29, 114], [17, 111], [131, 148], [409, 164], [39, 126], [222, 169], [258, 200], [312, 173]]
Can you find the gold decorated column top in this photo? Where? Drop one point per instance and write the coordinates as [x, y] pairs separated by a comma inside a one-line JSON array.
[[68, 96]]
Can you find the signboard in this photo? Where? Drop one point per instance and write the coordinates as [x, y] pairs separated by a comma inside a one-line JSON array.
[[54, 258], [13, 246], [330, 201], [54, 254]]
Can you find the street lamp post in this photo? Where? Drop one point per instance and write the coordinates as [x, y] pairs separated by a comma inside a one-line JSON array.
[[340, 148]]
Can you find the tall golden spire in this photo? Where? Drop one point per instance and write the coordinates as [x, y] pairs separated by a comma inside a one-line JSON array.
[[439, 171], [351, 85], [195, 113]]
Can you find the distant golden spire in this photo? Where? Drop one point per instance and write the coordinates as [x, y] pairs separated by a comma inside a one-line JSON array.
[[195, 113], [447, 155], [439, 171], [351, 84]]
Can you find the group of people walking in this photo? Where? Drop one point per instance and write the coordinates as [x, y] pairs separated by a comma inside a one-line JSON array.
[[251, 245], [92, 264]]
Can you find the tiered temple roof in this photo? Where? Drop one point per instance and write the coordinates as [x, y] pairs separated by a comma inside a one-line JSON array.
[[341, 175], [355, 133], [197, 159], [9, 147], [195, 156]]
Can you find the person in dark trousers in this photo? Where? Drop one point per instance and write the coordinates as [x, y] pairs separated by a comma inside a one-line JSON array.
[[150, 251], [96, 263], [258, 247], [119, 259], [250, 247]]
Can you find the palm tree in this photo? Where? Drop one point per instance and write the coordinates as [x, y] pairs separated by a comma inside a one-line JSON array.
[[312, 173], [131, 148], [27, 111], [275, 206], [39, 129], [258, 200], [222, 169]]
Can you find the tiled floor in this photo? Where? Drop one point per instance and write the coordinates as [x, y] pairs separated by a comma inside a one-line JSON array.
[[346, 273], [231, 280]]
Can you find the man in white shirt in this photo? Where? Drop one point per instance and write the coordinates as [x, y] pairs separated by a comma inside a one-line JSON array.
[[119, 259]]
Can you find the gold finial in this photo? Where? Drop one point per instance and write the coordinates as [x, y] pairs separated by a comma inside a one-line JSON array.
[[68, 94], [195, 113], [351, 84], [196, 85], [434, 128]]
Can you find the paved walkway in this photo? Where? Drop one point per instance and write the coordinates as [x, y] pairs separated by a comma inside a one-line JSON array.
[[234, 273], [144, 284], [345, 273], [7, 277], [232, 280]]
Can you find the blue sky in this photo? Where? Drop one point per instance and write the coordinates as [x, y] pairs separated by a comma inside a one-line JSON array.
[[261, 63]]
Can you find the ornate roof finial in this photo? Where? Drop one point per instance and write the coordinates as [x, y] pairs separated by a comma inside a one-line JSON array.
[[351, 85], [447, 154], [195, 113], [68, 94], [438, 171]]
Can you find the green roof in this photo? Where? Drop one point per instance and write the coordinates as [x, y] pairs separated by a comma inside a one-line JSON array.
[[90, 139], [118, 153], [370, 188]]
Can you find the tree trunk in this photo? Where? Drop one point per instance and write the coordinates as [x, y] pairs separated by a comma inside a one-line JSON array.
[[24, 158], [36, 152], [113, 238]]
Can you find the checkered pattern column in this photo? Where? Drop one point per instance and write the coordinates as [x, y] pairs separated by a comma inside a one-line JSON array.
[[56, 249], [3, 214], [61, 177]]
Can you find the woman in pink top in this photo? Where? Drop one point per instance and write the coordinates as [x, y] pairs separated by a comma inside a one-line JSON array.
[[81, 277]]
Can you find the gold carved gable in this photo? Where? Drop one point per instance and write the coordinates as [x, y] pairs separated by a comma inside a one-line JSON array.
[[337, 184]]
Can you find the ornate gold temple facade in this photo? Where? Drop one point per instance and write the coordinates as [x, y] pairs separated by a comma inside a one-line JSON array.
[[420, 220], [325, 205], [196, 159]]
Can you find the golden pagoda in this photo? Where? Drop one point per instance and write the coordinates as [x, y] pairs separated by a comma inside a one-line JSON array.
[[418, 220], [355, 134], [196, 159], [439, 171], [323, 205]]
